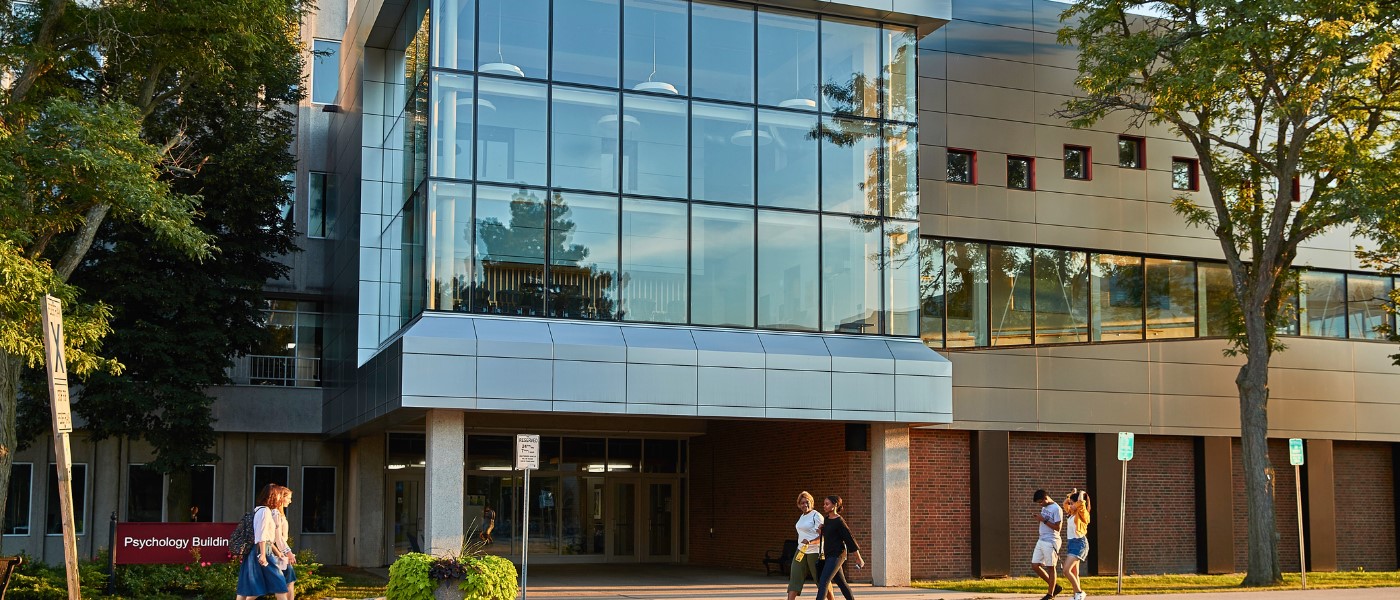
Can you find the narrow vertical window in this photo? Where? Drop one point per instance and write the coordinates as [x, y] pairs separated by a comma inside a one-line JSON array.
[[21, 493], [962, 166], [316, 205], [1020, 172], [1077, 163], [1185, 175], [325, 71], [317, 499], [1132, 152]]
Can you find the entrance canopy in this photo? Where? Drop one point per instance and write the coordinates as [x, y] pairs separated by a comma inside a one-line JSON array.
[[490, 363]]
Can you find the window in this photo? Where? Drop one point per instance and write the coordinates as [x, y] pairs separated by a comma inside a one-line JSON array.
[[1077, 163], [587, 50], [1323, 304], [182, 496], [1009, 271], [265, 474], [1216, 299], [316, 213], [722, 57], [722, 266], [1367, 296], [512, 38], [655, 45], [53, 521], [21, 493], [1116, 290], [1132, 152], [1020, 172], [317, 499], [1171, 298], [962, 166], [325, 71], [1061, 296], [1184, 174], [286, 206], [291, 353]]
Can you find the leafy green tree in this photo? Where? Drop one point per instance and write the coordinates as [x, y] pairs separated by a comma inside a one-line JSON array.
[[1268, 93], [90, 136]]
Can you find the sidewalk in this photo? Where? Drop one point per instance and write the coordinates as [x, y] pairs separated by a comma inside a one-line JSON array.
[[679, 582]]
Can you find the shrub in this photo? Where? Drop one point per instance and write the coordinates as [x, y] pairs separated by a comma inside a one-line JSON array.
[[415, 576], [490, 578], [408, 578]]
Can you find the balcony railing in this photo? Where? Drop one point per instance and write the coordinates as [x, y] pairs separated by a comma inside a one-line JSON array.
[[289, 371]]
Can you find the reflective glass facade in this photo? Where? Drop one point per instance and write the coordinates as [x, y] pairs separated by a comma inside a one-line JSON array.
[[975, 294], [662, 161]]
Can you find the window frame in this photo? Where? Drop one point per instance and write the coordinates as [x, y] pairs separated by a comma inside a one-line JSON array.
[[1088, 162], [1030, 175], [1141, 144], [29, 514], [253, 478], [335, 498], [971, 165], [1194, 166], [311, 81], [78, 513]]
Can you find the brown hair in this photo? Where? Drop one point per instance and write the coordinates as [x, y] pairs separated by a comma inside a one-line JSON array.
[[265, 494]]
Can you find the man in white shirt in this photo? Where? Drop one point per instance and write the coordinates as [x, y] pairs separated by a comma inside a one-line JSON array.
[[1047, 548]]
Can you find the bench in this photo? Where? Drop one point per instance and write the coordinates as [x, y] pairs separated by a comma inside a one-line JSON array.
[[8, 564], [783, 561]]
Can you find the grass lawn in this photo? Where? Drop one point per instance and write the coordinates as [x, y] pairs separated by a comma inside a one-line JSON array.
[[356, 583], [1167, 584]]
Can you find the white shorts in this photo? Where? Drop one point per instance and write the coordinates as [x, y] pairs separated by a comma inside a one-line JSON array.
[[1046, 553]]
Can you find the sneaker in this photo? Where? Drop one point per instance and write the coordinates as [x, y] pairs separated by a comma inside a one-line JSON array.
[[1046, 597], [1079, 595], [1057, 591]]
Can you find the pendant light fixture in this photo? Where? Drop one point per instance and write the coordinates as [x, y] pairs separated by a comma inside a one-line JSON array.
[[798, 101], [649, 85], [502, 67]]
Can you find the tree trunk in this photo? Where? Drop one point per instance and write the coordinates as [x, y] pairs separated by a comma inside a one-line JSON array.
[[10, 368], [1253, 384]]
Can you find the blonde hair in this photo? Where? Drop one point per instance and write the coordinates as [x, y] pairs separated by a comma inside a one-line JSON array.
[[811, 501]]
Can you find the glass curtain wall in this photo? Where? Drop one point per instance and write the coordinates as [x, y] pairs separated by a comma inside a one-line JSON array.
[[662, 161]]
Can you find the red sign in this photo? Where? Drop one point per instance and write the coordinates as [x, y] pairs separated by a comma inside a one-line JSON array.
[[172, 543]]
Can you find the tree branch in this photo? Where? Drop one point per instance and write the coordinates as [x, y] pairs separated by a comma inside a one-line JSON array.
[[80, 245], [43, 43]]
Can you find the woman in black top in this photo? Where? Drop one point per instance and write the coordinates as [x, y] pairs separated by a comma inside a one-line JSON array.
[[836, 542]]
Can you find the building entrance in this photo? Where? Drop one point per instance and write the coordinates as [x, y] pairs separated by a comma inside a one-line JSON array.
[[593, 500]]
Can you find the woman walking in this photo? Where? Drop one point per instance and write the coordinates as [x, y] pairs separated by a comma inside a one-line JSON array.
[[806, 561], [1076, 534], [268, 568], [836, 543]]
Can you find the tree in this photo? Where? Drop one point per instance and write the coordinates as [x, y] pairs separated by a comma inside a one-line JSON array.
[[1291, 107], [85, 141]]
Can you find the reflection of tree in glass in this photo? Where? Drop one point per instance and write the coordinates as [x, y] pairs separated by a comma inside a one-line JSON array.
[[900, 195], [524, 241]]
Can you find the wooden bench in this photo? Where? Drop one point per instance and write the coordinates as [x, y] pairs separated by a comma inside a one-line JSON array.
[[784, 559], [8, 564]]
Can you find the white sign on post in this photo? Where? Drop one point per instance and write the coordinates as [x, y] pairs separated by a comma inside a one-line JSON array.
[[527, 458], [1295, 458], [51, 321], [1125, 445]]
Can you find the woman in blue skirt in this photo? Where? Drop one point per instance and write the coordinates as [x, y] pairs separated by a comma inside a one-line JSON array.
[[267, 569]]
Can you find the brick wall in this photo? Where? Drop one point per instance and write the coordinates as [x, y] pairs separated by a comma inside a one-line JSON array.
[[745, 477], [1285, 507], [1050, 461], [1365, 506], [1161, 533], [940, 465]]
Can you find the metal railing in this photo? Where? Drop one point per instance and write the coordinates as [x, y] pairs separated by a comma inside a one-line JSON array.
[[289, 371]]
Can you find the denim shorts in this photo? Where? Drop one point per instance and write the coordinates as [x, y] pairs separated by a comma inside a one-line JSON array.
[[1078, 548]]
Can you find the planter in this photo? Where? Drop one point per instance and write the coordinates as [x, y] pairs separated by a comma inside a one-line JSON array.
[[449, 589]]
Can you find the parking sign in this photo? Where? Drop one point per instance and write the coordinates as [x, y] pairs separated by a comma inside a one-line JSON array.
[[1125, 445], [1295, 451]]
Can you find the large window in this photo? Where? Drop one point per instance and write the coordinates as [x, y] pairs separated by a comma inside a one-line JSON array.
[[20, 495], [325, 71], [1116, 291], [1061, 296], [53, 521], [317, 499], [1009, 270], [184, 496], [265, 474], [290, 354], [1171, 298], [1367, 296], [637, 160], [1323, 304]]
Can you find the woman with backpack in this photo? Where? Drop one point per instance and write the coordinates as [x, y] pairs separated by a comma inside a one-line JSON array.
[[267, 569]]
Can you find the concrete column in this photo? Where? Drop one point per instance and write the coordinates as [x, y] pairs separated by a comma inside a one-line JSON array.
[[889, 505], [365, 503], [445, 481], [991, 504], [1215, 505], [1319, 506]]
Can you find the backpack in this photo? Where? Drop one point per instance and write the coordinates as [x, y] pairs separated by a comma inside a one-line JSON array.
[[240, 541]]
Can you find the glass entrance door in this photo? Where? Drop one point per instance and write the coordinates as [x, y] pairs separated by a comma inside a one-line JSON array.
[[622, 516], [661, 515], [405, 513]]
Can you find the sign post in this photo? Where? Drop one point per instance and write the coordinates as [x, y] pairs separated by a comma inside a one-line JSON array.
[[1295, 458], [1125, 454], [56, 364], [527, 458]]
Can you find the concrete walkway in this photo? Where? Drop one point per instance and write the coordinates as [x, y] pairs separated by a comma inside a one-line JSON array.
[[678, 582]]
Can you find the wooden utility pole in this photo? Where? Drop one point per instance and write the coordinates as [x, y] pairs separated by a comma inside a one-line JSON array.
[[57, 366]]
